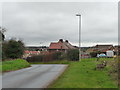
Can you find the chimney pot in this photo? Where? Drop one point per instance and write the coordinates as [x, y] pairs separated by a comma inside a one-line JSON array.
[[61, 40], [66, 41]]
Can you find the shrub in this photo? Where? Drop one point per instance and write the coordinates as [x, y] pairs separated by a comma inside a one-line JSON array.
[[73, 54], [37, 58], [12, 49], [54, 56], [46, 58], [57, 56], [94, 54]]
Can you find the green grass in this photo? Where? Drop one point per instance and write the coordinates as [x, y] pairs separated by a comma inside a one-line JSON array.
[[83, 75], [14, 65]]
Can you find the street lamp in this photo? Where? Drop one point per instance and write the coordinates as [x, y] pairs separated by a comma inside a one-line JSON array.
[[79, 15]]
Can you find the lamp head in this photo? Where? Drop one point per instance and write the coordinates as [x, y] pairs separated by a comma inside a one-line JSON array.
[[78, 14]]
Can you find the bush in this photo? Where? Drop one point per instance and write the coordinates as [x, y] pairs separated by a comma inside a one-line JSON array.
[[37, 58], [94, 54], [12, 49], [57, 56], [73, 54]]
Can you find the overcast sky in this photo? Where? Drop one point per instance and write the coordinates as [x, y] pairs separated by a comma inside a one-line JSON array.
[[39, 23]]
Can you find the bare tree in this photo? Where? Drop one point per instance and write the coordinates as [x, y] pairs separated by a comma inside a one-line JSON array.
[[2, 30]]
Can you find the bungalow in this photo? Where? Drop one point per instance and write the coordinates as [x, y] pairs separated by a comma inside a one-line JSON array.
[[104, 48], [101, 48], [60, 46]]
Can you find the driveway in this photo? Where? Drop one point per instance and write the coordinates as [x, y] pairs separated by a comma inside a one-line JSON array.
[[37, 76]]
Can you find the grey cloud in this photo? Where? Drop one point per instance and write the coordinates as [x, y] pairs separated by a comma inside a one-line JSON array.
[[46, 22]]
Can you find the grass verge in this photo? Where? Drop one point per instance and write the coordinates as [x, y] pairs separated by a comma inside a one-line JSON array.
[[83, 75], [14, 65]]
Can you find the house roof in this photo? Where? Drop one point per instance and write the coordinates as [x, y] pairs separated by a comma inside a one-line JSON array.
[[104, 46], [57, 46], [61, 45]]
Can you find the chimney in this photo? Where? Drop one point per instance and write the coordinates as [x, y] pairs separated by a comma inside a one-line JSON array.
[[66, 41], [61, 40]]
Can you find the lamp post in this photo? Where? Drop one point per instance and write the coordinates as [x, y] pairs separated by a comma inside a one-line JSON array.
[[79, 15]]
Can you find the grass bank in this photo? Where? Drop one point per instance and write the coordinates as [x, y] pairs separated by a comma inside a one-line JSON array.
[[83, 75], [13, 65]]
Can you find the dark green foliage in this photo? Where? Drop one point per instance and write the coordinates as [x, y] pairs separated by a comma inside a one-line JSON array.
[[46, 58], [119, 52], [52, 56], [93, 54], [57, 55], [4, 48], [2, 36], [12, 49], [73, 54], [37, 58]]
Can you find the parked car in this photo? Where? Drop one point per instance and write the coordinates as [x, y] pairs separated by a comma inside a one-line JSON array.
[[101, 55]]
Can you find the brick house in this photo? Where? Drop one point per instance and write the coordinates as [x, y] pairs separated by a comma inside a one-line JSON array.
[[60, 46]]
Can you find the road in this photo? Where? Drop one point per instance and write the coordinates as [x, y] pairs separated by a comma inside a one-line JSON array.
[[37, 76]]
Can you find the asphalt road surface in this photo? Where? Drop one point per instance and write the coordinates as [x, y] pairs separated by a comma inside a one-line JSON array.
[[37, 76]]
